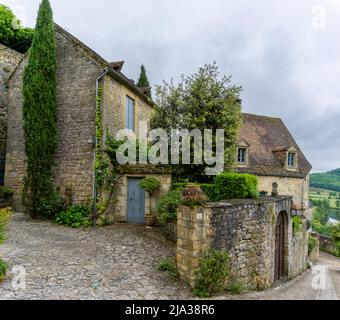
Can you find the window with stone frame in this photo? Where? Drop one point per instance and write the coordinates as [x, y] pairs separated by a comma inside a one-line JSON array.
[[242, 156], [291, 160]]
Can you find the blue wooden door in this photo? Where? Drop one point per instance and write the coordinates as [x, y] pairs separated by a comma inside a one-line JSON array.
[[136, 201]]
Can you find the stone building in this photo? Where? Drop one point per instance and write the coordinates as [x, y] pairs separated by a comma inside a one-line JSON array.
[[80, 73], [267, 149], [8, 61]]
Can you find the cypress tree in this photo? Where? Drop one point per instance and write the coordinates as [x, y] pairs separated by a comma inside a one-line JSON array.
[[143, 81], [39, 114]]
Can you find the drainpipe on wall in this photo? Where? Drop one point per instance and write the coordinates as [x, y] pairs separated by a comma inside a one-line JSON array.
[[106, 70]]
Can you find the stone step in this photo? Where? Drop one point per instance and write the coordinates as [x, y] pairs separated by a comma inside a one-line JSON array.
[[3, 204]]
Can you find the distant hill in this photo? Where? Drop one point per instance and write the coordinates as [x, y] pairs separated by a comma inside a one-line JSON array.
[[326, 180]]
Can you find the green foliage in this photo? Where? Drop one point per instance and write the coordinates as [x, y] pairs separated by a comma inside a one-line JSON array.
[[3, 269], [40, 116], [335, 233], [235, 287], [212, 273], [143, 81], [320, 228], [6, 193], [150, 185], [297, 224], [321, 214], [18, 38], [5, 214], [178, 186], [326, 180], [75, 216], [311, 244], [203, 100], [169, 265], [236, 186], [210, 191], [167, 206]]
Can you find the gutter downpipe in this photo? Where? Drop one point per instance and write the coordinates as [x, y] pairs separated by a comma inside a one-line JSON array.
[[106, 70]]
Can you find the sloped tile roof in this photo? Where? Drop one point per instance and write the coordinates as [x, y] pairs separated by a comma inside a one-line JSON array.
[[267, 137]]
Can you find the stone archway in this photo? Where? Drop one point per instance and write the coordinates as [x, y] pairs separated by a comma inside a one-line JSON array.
[[281, 239]]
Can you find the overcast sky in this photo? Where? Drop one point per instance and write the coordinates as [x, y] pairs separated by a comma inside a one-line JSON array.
[[285, 53]]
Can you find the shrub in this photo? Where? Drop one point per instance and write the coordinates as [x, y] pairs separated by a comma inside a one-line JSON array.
[[178, 186], [4, 217], [235, 287], [336, 238], [297, 224], [6, 193], [150, 185], [75, 216], [311, 244], [212, 273], [3, 269], [236, 186], [210, 191], [168, 205], [168, 265]]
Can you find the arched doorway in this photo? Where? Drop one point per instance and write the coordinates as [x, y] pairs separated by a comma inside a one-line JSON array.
[[280, 241]]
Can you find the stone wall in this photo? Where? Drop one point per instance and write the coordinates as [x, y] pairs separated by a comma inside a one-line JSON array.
[[246, 229], [114, 107], [76, 105], [326, 244], [119, 209], [297, 187], [9, 59]]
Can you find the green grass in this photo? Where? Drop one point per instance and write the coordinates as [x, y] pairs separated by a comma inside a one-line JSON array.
[[321, 194]]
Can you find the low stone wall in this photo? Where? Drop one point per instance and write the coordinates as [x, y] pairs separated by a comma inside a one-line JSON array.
[[170, 231], [246, 229], [326, 244], [315, 253]]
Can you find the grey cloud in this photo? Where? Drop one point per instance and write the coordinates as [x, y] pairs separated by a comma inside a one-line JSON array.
[[287, 68]]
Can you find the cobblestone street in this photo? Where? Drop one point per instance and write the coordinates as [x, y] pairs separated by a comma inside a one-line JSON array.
[[118, 262], [114, 262]]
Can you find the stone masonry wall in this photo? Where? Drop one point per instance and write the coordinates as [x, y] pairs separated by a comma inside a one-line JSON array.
[[119, 209], [297, 187], [9, 59], [76, 82], [246, 229], [114, 107]]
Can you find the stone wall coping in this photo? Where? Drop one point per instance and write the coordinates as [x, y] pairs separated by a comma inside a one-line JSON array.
[[239, 202]]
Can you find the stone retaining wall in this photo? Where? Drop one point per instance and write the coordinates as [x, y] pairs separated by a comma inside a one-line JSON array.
[[246, 229]]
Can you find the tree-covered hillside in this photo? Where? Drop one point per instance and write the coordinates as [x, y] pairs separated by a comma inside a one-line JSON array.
[[326, 180]]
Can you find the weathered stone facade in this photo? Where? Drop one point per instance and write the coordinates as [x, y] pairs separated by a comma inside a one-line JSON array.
[[79, 73], [9, 59], [298, 188], [76, 100], [246, 229], [119, 210]]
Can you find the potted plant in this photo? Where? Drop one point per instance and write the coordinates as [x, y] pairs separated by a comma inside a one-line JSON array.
[[150, 185], [193, 195]]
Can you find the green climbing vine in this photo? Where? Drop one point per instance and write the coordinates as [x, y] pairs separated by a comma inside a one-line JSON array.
[[106, 166]]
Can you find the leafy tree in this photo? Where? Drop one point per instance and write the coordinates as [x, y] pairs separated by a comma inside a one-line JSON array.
[[321, 215], [39, 112], [12, 33], [203, 100]]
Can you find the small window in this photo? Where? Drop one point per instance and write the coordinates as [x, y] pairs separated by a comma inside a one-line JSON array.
[[241, 157], [291, 159], [130, 113]]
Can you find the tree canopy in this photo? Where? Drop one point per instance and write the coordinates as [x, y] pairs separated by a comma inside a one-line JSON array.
[[39, 112], [12, 33], [203, 100]]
